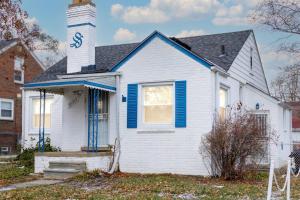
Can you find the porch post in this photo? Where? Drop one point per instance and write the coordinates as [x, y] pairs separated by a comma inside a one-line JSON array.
[[44, 119], [93, 139], [40, 123], [89, 119], [97, 118]]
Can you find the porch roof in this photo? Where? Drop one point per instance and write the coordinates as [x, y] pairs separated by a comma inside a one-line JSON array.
[[57, 86]]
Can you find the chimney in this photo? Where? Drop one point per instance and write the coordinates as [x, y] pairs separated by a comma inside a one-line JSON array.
[[81, 19]]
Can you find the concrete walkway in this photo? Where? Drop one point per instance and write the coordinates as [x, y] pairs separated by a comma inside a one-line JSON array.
[[40, 182]]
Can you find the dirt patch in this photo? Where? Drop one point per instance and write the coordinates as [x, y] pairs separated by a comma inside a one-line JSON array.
[[91, 181]]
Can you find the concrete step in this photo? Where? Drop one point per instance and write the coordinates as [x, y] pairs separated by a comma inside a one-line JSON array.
[[99, 149], [60, 174], [81, 166]]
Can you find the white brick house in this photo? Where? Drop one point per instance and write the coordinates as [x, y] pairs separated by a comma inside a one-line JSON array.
[[158, 97]]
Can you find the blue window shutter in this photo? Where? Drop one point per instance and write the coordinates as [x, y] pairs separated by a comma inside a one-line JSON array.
[[132, 102], [180, 104]]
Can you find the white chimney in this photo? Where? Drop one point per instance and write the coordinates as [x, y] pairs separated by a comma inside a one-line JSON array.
[[81, 19]]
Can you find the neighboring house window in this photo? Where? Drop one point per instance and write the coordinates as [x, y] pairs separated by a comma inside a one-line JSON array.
[[223, 100], [251, 58], [157, 104], [7, 109], [36, 113], [18, 70], [296, 145]]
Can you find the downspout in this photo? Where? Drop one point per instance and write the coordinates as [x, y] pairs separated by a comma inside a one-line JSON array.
[[23, 119], [215, 111], [117, 152]]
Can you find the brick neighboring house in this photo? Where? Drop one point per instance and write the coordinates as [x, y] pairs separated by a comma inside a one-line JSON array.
[[18, 65], [295, 106]]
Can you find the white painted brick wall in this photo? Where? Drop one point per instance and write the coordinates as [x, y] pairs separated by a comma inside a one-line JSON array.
[[176, 152], [92, 163], [85, 55]]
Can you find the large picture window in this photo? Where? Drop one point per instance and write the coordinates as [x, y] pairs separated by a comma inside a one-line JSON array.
[[6, 109], [158, 104], [36, 113]]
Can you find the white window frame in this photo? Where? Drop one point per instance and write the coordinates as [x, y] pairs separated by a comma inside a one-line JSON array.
[[267, 113], [31, 128], [21, 70], [12, 110], [144, 126], [227, 88]]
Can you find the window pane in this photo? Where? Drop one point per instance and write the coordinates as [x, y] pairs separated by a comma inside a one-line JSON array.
[[18, 75], [158, 104], [6, 113], [6, 105], [36, 113], [223, 98]]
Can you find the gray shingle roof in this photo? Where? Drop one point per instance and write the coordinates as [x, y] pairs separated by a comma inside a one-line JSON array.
[[206, 46], [5, 43]]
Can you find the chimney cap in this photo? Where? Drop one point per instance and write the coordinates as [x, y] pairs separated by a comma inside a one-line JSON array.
[[81, 2]]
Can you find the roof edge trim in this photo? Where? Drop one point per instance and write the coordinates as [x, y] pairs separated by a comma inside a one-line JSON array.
[[168, 41]]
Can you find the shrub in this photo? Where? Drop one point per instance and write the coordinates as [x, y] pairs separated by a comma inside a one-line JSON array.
[[235, 141], [26, 158]]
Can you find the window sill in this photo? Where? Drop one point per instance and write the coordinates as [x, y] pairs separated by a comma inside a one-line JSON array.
[[4, 119], [146, 131]]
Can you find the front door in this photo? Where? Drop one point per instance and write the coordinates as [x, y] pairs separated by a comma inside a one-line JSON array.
[[103, 118]]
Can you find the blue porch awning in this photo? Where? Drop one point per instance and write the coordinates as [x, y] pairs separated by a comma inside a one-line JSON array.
[[57, 86]]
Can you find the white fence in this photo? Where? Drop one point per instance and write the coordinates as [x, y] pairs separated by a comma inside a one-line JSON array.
[[292, 170]]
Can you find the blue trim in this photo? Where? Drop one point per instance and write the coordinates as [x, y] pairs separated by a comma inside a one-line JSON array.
[[168, 41], [94, 109], [97, 118], [82, 24], [132, 102], [89, 120], [180, 104], [69, 83]]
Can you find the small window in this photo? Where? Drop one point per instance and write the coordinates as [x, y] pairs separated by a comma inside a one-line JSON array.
[[158, 104], [6, 109], [251, 58], [18, 70], [223, 102], [4, 150], [36, 113], [241, 94], [296, 145]]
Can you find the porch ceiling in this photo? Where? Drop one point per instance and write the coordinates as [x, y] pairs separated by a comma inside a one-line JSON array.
[[57, 86]]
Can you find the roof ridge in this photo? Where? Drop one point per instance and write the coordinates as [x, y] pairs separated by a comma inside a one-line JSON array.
[[247, 30]]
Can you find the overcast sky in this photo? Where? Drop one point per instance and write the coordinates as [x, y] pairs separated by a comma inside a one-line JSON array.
[[123, 21]]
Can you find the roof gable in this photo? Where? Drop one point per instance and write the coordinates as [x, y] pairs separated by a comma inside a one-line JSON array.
[[168, 41]]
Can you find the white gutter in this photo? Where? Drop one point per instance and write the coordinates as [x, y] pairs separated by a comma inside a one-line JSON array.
[[118, 140], [89, 75], [23, 118], [220, 70]]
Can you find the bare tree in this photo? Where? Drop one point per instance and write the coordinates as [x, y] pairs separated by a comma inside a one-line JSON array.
[[283, 16], [286, 85], [15, 23]]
